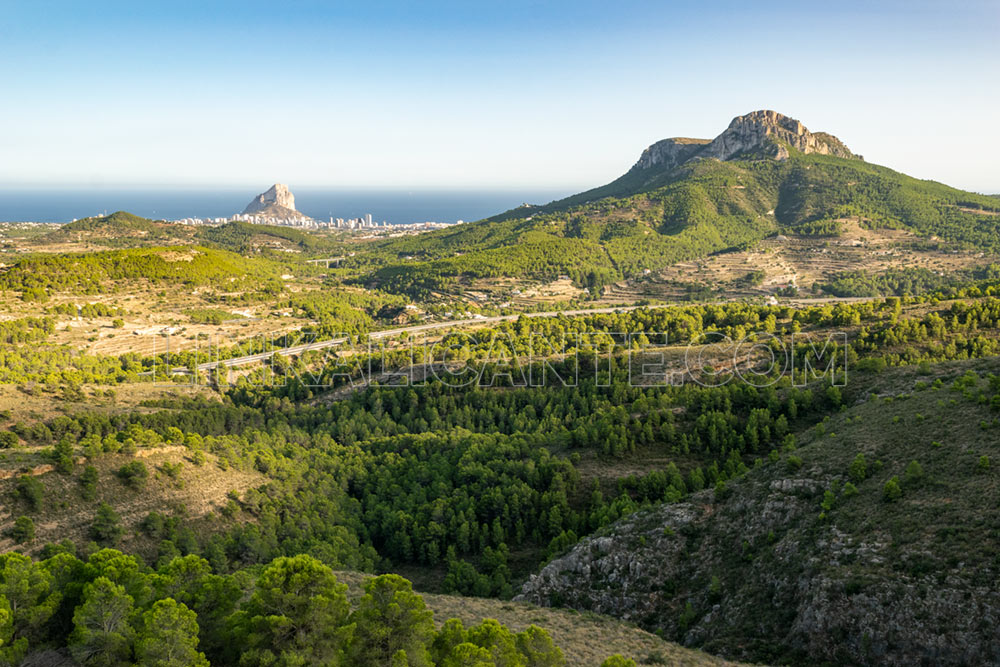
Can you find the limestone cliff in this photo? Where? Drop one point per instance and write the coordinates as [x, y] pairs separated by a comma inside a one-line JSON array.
[[767, 133], [670, 152]]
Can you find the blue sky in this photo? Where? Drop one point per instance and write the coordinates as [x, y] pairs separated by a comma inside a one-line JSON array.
[[509, 94]]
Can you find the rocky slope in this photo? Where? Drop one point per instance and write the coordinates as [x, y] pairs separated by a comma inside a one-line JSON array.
[[775, 569]]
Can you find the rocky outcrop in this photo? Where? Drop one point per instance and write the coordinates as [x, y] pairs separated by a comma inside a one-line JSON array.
[[765, 133], [277, 202], [670, 153], [759, 576], [770, 131]]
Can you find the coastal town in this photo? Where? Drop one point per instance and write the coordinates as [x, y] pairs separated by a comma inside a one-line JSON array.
[[276, 206]]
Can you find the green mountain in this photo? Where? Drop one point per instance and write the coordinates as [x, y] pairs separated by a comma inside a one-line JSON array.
[[687, 198], [119, 221], [117, 229]]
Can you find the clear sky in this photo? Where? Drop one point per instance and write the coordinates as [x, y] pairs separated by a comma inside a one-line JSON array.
[[499, 94]]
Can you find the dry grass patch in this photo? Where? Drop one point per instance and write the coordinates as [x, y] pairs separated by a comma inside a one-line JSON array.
[[586, 639], [197, 493]]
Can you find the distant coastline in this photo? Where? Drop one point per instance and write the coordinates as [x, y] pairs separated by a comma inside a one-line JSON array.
[[393, 206]]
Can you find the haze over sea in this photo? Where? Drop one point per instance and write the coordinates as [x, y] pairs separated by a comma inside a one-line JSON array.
[[393, 206]]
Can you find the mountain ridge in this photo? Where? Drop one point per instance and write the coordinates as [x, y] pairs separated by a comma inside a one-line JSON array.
[[761, 134], [764, 175], [757, 130]]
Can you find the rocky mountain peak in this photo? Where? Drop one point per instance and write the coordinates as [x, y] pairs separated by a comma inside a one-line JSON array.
[[768, 130], [764, 132], [277, 196]]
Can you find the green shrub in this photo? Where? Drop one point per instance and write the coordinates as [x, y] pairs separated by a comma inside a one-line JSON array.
[[687, 617], [23, 530], [828, 499], [106, 528], [172, 470], [859, 468], [31, 490], [892, 492], [134, 474], [914, 472], [715, 589], [617, 660], [88, 482]]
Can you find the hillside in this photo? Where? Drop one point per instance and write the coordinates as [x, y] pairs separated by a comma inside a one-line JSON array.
[[167, 479], [119, 229], [874, 542], [38, 275], [125, 230], [248, 238], [686, 199]]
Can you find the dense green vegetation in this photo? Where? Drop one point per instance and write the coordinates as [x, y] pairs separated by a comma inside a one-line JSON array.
[[37, 276], [435, 475], [210, 316], [244, 237], [898, 282], [86, 310], [345, 311], [112, 610], [475, 485], [911, 282]]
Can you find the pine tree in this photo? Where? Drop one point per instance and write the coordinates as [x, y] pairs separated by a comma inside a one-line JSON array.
[[391, 618], [169, 637], [536, 646], [296, 615], [23, 530], [101, 634], [106, 528]]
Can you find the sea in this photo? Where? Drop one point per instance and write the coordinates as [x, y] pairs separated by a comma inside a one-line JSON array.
[[392, 206]]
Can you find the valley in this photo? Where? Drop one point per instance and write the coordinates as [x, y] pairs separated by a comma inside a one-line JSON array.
[[737, 406]]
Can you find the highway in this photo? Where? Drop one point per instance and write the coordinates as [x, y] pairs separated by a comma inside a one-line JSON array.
[[447, 324]]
